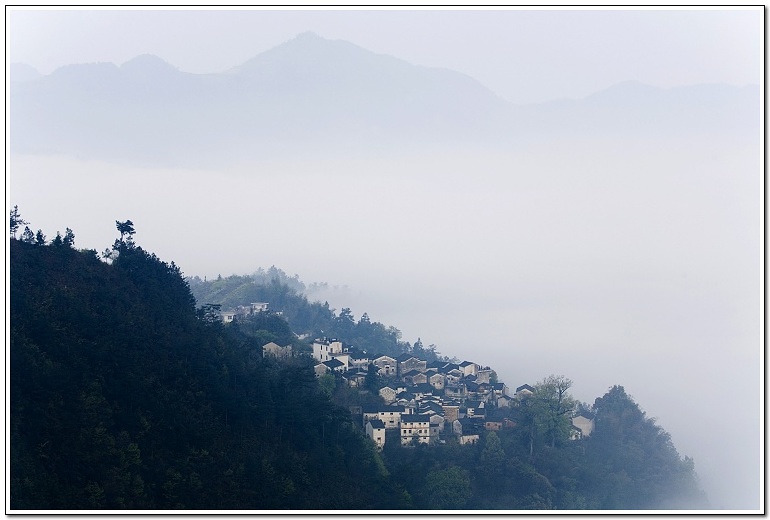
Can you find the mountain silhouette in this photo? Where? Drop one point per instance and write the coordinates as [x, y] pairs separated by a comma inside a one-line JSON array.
[[314, 94]]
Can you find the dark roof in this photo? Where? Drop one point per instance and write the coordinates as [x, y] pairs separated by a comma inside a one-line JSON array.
[[407, 418], [376, 423], [423, 388], [382, 408], [525, 387], [412, 373], [431, 406], [472, 425], [334, 363], [497, 416], [466, 363]]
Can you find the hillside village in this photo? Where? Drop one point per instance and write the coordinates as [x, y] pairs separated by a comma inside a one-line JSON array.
[[425, 402]]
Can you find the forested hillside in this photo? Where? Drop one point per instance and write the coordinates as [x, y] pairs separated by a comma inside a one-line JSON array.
[[124, 395]]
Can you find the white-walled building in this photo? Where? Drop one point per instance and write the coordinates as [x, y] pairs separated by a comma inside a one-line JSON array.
[[375, 430], [416, 428], [325, 350], [584, 424]]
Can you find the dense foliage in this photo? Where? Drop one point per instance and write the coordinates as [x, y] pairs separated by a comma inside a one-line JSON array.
[[123, 395]]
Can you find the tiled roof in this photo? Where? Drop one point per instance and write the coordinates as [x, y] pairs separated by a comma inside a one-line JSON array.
[[412, 418]]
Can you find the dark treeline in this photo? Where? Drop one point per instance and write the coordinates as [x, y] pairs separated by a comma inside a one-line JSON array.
[[124, 395]]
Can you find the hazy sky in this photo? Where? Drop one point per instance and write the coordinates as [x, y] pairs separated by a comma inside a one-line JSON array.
[[522, 55], [612, 262]]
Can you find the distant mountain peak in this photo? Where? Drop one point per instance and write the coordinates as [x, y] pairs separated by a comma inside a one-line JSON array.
[[308, 50], [308, 35], [147, 64]]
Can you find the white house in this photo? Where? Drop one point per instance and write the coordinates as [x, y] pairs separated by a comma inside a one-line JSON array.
[[436, 425], [331, 366], [467, 430], [343, 358], [454, 376], [468, 368], [386, 365], [258, 307], [320, 369], [389, 415], [359, 360], [324, 350], [484, 375], [523, 391], [388, 394], [584, 424], [275, 350], [415, 428], [436, 379], [375, 430]]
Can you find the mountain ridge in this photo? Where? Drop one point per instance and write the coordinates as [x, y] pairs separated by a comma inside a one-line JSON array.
[[313, 94]]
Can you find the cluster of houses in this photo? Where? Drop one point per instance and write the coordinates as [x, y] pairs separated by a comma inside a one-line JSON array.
[[243, 311], [424, 401], [428, 401]]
